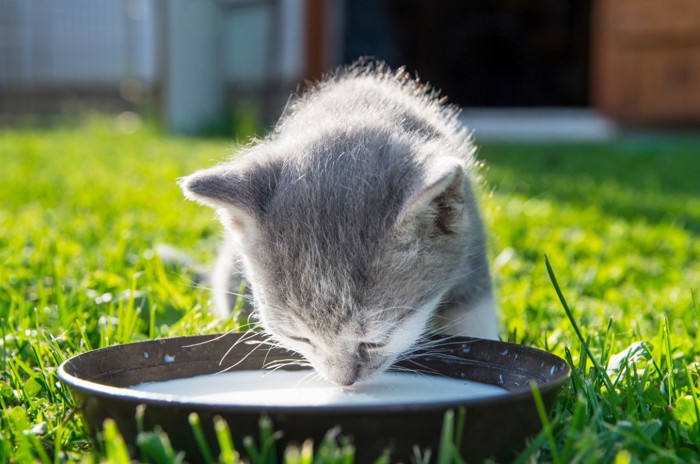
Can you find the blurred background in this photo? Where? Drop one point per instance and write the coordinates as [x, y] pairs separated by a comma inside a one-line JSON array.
[[519, 68]]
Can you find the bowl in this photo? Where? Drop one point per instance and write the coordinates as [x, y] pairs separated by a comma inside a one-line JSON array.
[[495, 427]]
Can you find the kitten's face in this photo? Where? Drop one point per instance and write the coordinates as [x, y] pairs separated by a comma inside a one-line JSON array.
[[347, 351], [347, 258], [350, 328]]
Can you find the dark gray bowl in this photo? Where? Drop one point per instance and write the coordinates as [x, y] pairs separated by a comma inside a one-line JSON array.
[[496, 427]]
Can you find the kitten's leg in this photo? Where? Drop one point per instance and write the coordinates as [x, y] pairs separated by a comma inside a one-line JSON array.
[[225, 280], [476, 320], [469, 308]]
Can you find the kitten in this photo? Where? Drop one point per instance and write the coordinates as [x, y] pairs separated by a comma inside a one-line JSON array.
[[355, 224]]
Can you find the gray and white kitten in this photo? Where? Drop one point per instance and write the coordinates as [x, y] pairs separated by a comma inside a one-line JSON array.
[[355, 224]]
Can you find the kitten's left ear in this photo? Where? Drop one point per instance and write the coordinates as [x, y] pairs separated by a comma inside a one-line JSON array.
[[220, 187], [240, 192], [439, 195]]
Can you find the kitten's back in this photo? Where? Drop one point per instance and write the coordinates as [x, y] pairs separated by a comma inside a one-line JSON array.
[[388, 100], [358, 212]]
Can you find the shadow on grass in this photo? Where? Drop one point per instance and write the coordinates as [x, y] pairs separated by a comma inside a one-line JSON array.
[[652, 180]]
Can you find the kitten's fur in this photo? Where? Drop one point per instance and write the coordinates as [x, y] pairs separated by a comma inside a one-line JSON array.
[[355, 224]]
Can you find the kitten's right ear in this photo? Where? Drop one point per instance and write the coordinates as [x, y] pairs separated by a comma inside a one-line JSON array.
[[217, 187], [437, 196], [239, 195]]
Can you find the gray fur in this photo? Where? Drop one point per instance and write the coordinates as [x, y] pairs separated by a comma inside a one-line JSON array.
[[355, 223]]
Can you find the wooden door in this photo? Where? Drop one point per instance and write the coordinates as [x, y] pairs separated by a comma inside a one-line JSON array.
[[646, 60]]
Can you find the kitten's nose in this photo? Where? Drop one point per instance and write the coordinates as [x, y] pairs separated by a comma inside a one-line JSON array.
[[347, 381], [348, 376]]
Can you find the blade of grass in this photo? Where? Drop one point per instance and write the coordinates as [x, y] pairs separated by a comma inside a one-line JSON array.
[[668, 357], [152, 320], [268, 437], [251, 450], [196, 427], [59, 432], [383, 459], [527, 455], [546, 424], [577, 422], [4, 344], [292, 455], [694, 395], [228, 453], [347, 453], [307, 452], [39, 449], [115, 448], [155, 446], [461, 417], [446, 451], [570, 315]]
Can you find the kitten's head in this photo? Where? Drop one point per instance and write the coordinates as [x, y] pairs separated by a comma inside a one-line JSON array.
[[347, 253]]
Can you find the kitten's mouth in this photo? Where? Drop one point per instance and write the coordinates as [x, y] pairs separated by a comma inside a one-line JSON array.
[[344, 378], [350, 376], [359, 375], [345, 372]]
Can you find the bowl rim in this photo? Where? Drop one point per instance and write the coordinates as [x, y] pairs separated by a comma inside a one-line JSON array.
[[130, 395]]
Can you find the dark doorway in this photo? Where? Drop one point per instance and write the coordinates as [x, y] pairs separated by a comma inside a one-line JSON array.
[[485, 53]]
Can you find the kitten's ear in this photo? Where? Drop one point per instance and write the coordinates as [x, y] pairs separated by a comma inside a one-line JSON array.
[[239, 194], [438, 197]]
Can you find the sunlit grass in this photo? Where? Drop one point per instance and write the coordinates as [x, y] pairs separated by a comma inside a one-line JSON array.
[[81, 210]]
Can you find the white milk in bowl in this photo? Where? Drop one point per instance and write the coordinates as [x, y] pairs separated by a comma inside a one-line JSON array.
[[306, 388]]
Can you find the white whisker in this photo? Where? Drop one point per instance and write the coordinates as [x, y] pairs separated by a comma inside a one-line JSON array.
[[239, 361], [245, 338]]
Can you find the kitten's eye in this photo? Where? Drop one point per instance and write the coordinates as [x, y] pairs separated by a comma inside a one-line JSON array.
[[300, 339], [371, 346], [293, 338]]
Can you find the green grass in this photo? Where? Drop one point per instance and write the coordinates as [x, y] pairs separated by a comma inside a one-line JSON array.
[[82, 208]]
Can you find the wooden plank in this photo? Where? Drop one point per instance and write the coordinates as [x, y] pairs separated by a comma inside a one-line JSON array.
[[646, 60], [654, 17], [315, 33]]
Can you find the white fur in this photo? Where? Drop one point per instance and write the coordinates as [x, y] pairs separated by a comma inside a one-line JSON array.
[[479, 321], [355, 211]]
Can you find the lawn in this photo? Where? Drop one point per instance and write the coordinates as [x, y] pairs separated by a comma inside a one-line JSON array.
[[82, 207]]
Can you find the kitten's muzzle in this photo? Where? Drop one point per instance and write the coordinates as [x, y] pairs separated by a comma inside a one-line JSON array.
[[349, 376]]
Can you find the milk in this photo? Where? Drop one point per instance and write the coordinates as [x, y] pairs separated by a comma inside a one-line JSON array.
[[306, 388]]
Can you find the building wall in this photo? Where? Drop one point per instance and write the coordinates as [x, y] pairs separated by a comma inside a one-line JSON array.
[[199, 60], [46, 43]]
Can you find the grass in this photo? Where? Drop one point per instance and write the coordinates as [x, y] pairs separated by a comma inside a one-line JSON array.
[[82, 208]]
